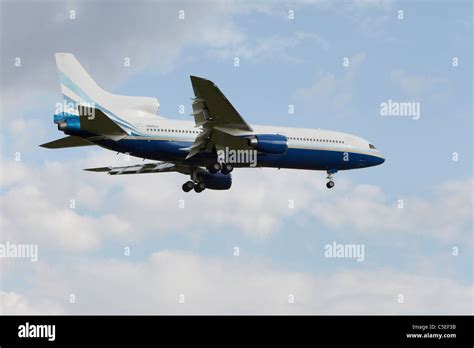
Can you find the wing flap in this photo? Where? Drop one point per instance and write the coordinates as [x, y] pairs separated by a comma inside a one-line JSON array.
[[200, 113], [159, 167], [221, 123], [200, 143]]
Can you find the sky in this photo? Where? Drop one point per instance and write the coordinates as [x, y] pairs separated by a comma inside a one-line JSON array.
[[140, 245]]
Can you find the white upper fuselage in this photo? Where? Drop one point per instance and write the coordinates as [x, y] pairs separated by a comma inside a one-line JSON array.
[[181, 130]]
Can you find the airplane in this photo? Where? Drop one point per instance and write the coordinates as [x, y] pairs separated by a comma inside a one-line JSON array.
[[208, 149]]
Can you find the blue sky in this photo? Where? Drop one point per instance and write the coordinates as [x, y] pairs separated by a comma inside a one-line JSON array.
[[282, 62]]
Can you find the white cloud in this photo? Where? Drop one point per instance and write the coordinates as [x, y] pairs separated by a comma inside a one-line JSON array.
[[445, 216], [271, 47], [36, 208], [15, 303], [12, 171], [35, 205], [363, 4], [323, 87], [153, 40], [337, 90], [417, 85], [29, 217], [240, 286]]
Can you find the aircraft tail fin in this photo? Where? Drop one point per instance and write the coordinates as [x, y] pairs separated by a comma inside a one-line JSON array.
[[79, 88]]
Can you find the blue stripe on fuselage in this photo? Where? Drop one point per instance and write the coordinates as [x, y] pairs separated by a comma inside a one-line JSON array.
[[297, 158]]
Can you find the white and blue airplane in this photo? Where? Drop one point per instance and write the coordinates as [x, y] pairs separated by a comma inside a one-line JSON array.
[[207, 149]]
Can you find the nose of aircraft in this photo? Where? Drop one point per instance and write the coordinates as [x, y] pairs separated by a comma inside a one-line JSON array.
[[371, 161], [378, 160]]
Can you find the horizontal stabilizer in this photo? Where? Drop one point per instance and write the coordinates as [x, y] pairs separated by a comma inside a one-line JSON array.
[[70, 141], [100, 169]]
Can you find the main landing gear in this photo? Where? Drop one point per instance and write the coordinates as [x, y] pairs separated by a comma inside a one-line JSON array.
[[198, 186], [194, 183], [330, 184], [224, 168]]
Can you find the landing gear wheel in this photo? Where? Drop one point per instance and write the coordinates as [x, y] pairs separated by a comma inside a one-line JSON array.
[[188, 186], [330, 183], [214, 168], [199, 187], [227, 168]]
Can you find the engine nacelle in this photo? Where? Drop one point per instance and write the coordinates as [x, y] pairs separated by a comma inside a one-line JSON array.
[[275, 144], [217, 181], [69, 124]]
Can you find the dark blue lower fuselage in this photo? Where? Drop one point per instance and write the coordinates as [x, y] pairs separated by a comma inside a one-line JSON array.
[[295, 157]]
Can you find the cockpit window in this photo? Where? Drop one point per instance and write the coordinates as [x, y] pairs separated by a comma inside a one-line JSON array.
[[371, 146]]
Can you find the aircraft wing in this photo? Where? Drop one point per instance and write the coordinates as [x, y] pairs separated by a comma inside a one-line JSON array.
[[158, 167], [222, 126]]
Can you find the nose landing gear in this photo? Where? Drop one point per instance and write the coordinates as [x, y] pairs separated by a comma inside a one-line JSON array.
[[330, 184]]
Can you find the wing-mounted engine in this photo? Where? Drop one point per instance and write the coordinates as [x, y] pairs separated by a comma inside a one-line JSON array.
[[275, 144], [216, 181]]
